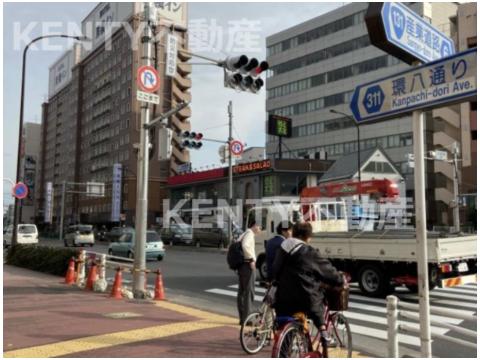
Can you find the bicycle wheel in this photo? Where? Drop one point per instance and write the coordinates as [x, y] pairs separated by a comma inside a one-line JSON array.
[[254, 332], [291, 343], [340, 331]]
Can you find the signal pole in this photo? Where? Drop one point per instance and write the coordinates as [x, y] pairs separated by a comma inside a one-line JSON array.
[[142, 173], [456, 210], [230, 170]]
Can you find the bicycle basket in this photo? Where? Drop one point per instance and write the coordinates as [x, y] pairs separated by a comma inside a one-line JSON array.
[[337, 298]]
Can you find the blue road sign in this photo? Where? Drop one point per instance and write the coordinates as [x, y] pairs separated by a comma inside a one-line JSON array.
[[442, 82], [20, 190], [408, 31]]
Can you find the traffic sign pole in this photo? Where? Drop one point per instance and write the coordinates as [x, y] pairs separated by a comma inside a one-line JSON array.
[[230, 170], [142, 176], [421, 234]]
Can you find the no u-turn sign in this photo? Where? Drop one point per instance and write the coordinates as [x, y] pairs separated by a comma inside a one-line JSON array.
[[148, 79]]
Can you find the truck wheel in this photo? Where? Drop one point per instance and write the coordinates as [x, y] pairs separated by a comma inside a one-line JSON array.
[[262, 267], [373, 281], [432, 281]]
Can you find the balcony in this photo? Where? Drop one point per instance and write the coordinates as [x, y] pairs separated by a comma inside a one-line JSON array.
[[180, 95], [179, 124], [183, 83], [184, 69], [180, 155], [183, 56]]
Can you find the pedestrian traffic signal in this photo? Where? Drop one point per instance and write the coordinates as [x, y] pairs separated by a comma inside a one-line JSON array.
[[191, 139], [243, 74]]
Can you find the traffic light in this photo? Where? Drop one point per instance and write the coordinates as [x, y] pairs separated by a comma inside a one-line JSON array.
[[243, 74], [191, 139]]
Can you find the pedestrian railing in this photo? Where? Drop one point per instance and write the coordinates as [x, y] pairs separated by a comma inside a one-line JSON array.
[[394, 316], [103, 261]]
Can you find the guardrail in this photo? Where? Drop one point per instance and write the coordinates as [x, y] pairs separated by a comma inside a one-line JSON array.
[[395, 326]]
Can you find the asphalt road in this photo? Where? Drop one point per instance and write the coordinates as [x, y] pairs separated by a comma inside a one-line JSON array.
[[201, 278]]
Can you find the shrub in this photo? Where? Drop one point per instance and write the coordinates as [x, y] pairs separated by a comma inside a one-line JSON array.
[[47, 259]]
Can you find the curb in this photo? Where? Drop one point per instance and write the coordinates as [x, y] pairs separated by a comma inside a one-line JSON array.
[[187, 248]]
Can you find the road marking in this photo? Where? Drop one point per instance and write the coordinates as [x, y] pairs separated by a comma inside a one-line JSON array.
[[382, 334], [108, 340], [230, 293], [434, 295]]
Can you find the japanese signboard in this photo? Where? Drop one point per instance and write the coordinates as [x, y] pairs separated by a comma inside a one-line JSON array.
[[116, 192], [48, 211], [148, 97], [398, 30], [253, 166], [442, 82], [171, 48], [279, 126]]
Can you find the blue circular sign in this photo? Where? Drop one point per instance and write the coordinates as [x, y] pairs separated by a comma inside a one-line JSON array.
[[20, 190]]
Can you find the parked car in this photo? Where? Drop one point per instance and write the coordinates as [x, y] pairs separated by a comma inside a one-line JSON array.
[[115, 233], [124, 245], [214, 236], [79, 235], [100, 233], [177, 234], [26, 234]]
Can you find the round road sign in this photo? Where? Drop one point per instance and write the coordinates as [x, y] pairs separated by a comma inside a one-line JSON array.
[[20, 190], [148, 79], [236, 147]]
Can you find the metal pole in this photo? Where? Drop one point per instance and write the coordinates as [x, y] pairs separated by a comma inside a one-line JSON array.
[[230, 170], [392, 324], [358, 152], [142, 176], [421, 231], [19, 150], [456, 209], [62, 210]]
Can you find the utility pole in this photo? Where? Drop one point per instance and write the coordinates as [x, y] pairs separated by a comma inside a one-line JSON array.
[[421, 234], [456, 209], [230, 170], [142, 173]]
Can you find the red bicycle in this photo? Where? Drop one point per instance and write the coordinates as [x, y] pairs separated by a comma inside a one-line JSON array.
[[298, 337]]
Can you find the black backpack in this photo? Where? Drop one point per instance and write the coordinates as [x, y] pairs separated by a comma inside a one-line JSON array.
[[235, 257]]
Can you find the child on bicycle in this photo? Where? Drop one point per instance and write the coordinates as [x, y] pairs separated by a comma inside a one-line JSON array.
[[299, 271]]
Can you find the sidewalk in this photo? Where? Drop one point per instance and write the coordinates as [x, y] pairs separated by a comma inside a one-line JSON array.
[[45, 318]]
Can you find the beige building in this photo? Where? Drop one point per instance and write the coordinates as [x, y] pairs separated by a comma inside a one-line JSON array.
[[30, 154], [91, 120]]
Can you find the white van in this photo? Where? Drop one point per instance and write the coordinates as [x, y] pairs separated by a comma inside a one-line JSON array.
[[79, 235], [26, 234]]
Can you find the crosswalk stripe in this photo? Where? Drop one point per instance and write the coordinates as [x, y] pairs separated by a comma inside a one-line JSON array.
[[230, 293], [383, 311], [456, 303], [382, 334], [383, 321], [446, 296], [457, 289], [257, 289]]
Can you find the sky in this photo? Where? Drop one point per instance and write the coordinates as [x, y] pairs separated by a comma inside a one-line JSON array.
[[209, 97]]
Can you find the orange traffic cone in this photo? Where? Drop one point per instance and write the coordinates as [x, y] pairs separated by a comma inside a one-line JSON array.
[[70, 275], [117, 285], [92, 277], [159, 292]]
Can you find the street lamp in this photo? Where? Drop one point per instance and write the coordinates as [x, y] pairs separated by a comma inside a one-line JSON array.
[[333, 111], [20, 138]]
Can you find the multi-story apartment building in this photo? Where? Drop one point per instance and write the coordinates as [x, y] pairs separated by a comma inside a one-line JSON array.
[[29, 159], [314, 68], [92, 118]]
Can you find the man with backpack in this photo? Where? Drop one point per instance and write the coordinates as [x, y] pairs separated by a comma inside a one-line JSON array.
[[245, 269], [284, 231]]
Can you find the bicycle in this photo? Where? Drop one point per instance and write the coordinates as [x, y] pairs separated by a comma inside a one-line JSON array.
[[296, 338], [258, 327]]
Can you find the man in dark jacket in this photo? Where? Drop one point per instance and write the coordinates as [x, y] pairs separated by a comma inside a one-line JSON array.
[[299, 271], [284, 231]]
